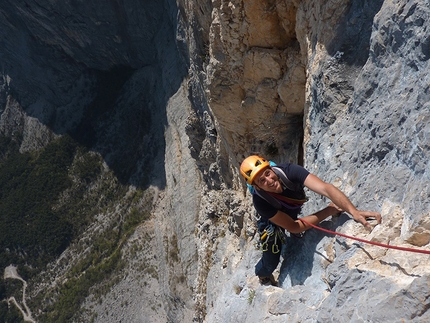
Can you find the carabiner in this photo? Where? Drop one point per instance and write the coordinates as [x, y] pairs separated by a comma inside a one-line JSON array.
[[275, 247]]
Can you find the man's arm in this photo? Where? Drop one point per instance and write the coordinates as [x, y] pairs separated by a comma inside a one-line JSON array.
[[337, 197], [296, 226]]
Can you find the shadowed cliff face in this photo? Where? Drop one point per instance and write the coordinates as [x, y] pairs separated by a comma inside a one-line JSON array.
[[101, 72]]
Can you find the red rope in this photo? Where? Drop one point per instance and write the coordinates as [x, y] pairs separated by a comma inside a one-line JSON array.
[[367, 241]]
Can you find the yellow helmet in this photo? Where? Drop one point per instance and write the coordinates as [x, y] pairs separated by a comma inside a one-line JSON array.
[[251, 166]]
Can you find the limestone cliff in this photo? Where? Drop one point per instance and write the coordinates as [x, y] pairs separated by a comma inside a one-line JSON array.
[[172, 95]]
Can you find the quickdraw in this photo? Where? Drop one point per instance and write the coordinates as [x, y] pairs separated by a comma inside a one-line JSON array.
[[269, 233]]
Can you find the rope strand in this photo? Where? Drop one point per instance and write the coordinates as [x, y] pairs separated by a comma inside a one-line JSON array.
[[367, 241]]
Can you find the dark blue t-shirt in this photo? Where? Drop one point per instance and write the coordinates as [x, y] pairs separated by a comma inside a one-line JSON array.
[[296, 174]]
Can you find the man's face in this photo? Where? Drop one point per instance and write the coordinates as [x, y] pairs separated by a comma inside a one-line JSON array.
[[268, 181]]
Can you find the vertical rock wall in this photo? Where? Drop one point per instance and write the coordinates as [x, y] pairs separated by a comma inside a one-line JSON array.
[[366, 121], [256, 77]]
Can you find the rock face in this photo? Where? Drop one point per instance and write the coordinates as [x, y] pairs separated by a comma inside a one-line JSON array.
[[256, 72], [184, 90], [361, 58]]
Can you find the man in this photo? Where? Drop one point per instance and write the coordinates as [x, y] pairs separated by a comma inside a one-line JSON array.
[[284, 183]]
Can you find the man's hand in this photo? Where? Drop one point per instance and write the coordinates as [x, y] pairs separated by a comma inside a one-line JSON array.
[[362, 216], [342, 202]]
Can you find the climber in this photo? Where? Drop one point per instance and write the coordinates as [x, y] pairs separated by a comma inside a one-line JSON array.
[[279, 197]]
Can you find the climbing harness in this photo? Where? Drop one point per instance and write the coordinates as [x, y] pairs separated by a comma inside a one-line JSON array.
[[367, 241], [270, 233]]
